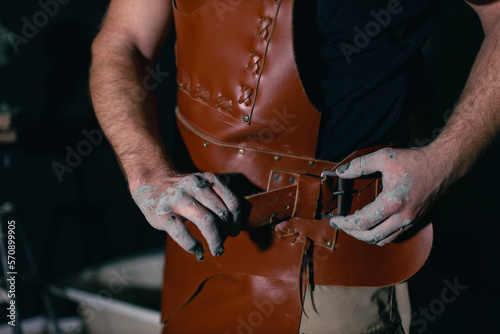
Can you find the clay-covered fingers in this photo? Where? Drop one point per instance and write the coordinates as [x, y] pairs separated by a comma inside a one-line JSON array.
[[193, 199], [158, 208], [231, 202], [365, 219], [174, 226], [398, 228], [215, 196], [380, 222], [384, 230], [207, 222], [200, 198], [367, 164]]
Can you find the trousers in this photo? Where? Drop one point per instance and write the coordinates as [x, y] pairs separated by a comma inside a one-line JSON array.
[[356, 310]]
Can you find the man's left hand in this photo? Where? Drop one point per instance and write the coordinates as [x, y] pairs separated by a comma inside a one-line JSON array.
[[411, 184]]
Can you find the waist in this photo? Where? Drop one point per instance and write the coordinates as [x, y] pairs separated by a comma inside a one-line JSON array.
[[284, 185]]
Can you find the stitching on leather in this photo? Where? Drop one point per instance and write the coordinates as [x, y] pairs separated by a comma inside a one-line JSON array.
[[246, 93], [203, 94], [266, 35], [262, 30], [288, 232], [225, 104], [254, 62]]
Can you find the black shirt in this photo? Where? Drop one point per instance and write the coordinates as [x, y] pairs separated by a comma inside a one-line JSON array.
[[360, 63]]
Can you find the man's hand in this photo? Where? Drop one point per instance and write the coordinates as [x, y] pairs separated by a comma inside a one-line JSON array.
[[200, 198], [411, 184], [413, 179]]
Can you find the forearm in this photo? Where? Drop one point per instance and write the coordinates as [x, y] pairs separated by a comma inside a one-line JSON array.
[[123, 55], [127, 110], [476, 120]]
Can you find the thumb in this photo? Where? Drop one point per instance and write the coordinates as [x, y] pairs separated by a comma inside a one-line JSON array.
[[367, 164]]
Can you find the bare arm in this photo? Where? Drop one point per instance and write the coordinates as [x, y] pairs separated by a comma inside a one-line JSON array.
[[476, 120], [126, 46], [414, 179], [123, 55]]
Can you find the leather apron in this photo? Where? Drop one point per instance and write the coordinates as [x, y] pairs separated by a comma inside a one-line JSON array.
[[242, 109]]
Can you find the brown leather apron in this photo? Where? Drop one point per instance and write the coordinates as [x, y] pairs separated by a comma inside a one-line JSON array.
[[242, 109]]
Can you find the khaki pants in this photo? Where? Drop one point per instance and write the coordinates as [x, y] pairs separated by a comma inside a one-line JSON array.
[[358, 310]]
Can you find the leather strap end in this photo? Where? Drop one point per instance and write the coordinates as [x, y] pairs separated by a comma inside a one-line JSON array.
[[273, 206]]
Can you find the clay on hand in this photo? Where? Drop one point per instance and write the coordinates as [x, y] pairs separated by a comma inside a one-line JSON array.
[[200, 198], [409, 189]]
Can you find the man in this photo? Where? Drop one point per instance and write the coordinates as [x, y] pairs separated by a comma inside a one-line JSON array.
[[227, 287]]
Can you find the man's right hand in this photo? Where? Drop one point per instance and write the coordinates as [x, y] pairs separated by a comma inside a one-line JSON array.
[[200, 198]]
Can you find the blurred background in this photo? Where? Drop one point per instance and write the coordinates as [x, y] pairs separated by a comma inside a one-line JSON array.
[[70, 198]]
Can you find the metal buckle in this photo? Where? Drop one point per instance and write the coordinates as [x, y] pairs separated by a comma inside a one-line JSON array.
[[341, 194]]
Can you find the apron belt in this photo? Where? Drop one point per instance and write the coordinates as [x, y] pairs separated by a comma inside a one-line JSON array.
[[295, 186]]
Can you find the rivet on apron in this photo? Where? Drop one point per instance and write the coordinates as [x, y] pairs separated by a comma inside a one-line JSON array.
[[312, 163], [205, 144], [277, 157], [186, 130], [329, 244], [276, 177], [241, 151], [292, 179], [246, 118]]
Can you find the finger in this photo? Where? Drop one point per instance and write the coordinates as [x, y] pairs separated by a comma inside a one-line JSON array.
[[231, 202], [405, 225], [206, 222], [367, 164], [207, 190], [383, 233], [176, 229], [366, 218], [203, 192], [391, 238]]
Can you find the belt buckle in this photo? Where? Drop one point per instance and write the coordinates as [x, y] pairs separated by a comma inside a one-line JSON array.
[[340, 193]]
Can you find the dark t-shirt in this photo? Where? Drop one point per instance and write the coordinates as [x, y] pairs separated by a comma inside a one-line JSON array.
[[360, 65]]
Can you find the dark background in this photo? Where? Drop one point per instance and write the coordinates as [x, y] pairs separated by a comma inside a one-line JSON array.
[[89, 216]]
